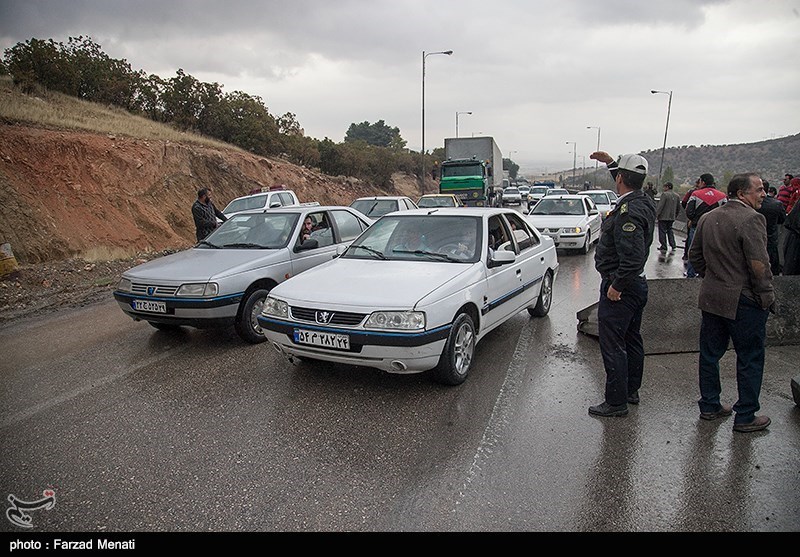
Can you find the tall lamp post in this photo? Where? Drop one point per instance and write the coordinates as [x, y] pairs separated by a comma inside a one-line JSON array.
[[424, 56], [666, 128], [457, 113], [598, 147], [574, 159]]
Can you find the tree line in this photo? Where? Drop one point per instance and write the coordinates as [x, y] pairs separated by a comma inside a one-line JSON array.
[[80, 68]]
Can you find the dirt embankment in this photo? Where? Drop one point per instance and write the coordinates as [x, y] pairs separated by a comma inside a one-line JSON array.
[[79, 208], [66, 194]]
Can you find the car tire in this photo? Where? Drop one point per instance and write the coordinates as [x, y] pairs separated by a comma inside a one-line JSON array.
[[164, 326], [246, 323], [545, 299], [459, 350], [588, 243]]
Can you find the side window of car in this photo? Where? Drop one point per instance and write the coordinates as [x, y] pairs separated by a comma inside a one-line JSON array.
[[499, 238], [347, 224], [523, 235]]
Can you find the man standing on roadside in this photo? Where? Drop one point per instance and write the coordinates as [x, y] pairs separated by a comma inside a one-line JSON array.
[[205, 214], [729, 252], [666, 213], [775, 215], [620, 256], [702, 200]]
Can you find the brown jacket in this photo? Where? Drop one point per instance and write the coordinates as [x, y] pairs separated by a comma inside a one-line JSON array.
[[729, 251]]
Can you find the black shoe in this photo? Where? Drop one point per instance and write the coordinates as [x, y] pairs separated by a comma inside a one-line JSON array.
[[607, 410], [724, 411], [633, 398], [663, 249]]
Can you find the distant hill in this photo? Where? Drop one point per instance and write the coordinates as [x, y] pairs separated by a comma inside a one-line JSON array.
[[771, 158]]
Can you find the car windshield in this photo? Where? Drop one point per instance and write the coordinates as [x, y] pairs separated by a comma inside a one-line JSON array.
[[443, 201], [511, 191], [246, 204], [253, 231], [451, 239], [598, 198], [558, 207], [557, 191], [462, 170], [539, 191], [374, 208]]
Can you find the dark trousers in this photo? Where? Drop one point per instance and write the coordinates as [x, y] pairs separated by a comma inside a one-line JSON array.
[[690, 272], [665, 234], [748, 331], [621, 345]]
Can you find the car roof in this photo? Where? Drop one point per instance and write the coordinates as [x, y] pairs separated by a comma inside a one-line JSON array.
[[565, 196], [299, 209], [438, 195], [376, 197], [453, 211]]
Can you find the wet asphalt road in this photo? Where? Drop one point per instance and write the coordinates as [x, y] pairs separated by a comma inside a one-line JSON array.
[[141, 430]]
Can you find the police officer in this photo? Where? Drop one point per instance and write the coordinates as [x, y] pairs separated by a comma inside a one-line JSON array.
[[620, 257]]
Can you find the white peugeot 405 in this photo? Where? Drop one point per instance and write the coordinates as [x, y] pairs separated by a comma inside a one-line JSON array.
[[415, 292]]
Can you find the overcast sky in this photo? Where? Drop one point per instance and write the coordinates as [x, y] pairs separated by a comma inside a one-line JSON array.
[[533, 73]]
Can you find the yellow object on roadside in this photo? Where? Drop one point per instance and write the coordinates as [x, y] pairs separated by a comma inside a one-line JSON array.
[[8, 263]]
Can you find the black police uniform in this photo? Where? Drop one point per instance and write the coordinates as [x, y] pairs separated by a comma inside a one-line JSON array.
[[620, 257]]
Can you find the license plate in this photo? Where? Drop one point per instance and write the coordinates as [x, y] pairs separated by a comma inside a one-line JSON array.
[[326, 340], [150, 306]]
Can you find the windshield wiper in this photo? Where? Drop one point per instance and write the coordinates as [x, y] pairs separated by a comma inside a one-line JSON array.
[[206, 242], [243, 245], [428, 253], [378, 254]]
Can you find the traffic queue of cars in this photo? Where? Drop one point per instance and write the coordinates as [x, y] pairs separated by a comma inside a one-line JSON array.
[[380, 283]]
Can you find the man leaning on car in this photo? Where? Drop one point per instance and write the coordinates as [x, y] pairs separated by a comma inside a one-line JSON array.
[[205, 214]]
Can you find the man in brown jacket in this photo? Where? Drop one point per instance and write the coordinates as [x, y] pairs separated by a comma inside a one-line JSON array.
[[729, 252]]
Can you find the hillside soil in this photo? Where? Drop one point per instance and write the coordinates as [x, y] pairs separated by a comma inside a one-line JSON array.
[[80, 208]]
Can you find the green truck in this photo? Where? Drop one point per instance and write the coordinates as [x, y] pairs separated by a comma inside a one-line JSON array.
[[473, 171]]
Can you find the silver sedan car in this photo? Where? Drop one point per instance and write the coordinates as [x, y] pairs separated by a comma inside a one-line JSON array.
[[224, 279]]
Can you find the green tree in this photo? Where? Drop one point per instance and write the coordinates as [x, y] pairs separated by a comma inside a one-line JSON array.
[[378, 134], [669, 175]]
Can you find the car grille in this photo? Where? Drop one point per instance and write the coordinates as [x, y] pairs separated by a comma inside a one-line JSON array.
[[142, 289], [550, 230], [336, 317]]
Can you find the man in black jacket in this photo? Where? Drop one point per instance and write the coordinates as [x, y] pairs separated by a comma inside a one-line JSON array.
[[205, 214], [620, 257], [774, 212]]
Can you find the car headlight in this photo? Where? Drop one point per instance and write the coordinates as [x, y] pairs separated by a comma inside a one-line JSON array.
[[576, 230], [124, 285], [275, 308], [198, 289], [404, 320]]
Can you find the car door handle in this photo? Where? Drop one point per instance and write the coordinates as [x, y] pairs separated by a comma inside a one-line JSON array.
[[519, 271]]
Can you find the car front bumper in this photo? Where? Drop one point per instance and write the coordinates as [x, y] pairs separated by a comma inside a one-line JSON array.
[[393, 352], [193, 312]]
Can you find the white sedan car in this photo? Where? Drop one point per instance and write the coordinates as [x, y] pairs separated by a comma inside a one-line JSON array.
[[415, 292], [605, 200], [572, 221]]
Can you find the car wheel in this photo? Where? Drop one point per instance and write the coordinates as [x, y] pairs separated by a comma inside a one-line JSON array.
[[246, 323], [588, 243], [459, 349], [164, 326], [545, 300]]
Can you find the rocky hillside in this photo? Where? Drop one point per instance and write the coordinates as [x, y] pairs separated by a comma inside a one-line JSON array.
[[69, 193]]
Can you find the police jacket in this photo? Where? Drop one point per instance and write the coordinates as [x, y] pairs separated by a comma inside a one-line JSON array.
[[627, 233]]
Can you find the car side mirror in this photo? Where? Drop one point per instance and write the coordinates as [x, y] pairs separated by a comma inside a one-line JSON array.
[[501, 257], [594, 212], [274, 204]]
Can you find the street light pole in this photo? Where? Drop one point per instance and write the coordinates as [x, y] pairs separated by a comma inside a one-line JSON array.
[[666, 128], [574, 160], [598, 147], [424, 56], [457, 113]]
